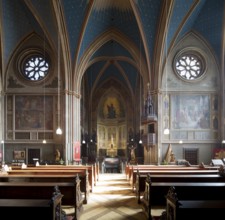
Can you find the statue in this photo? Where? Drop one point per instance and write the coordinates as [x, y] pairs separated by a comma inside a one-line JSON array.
[[57, 155], [132, 154]]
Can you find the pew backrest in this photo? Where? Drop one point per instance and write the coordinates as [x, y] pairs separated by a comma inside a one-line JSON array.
[[72, 195], [38, 208]]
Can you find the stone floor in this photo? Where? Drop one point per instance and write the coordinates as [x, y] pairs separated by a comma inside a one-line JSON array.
[[112, 198]]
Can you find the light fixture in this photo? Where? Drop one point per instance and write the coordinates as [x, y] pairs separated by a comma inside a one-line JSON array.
[[140, 141], [223, 141], [91, 110], [59, 130], [180, 105], [166, 129], [180, 140], [44, 141]]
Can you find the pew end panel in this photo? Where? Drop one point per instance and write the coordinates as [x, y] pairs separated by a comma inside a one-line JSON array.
[[75, 207], [153, 205]]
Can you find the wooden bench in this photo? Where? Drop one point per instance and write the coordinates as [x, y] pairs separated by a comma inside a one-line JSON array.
[[130, 168], [155, 193], [56, 175], [72, 197], [181, 208], [92, 171], [141, 178], [70, 178], [27, 209], [133, 178]]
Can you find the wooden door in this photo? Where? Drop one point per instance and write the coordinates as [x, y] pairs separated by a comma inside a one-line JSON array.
[[33, 153]]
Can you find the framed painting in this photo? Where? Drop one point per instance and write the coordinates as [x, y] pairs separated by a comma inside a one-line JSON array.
[[19, 155], [33, 112], [190, 111]]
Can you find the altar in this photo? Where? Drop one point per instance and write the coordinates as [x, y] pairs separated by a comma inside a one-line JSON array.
[[111, 164]]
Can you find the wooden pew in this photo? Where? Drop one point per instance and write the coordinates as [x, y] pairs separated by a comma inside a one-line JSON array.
[[71, 178], [155, 193], [133, 178], [141, 178], [183, 208], [72, 196], [52, 175], [91, 169], [37, 208], [130, 168], [219, 176]]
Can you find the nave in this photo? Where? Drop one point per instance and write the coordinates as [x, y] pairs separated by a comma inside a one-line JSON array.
[[112, 198]]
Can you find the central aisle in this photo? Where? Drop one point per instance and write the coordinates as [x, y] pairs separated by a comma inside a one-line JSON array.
[[112, 198]]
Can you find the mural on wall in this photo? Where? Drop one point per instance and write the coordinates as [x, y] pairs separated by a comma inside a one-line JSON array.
[[190, 111], [112, 108], [33, 112]]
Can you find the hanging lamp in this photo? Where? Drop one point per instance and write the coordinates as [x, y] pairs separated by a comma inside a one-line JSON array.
[[59, 130]]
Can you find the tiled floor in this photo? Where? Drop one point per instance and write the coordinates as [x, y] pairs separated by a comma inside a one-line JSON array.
[[112, 198]]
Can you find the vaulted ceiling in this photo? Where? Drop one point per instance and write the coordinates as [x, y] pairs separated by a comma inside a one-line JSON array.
[[111, 38]]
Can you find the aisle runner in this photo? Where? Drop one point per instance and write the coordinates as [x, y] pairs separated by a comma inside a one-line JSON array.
[[112, 199]]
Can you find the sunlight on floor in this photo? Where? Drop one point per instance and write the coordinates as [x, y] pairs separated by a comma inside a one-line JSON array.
[[112, 199]]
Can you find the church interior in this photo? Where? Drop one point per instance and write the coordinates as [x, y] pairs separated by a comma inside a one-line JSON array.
[[112, 109], [142, 80]]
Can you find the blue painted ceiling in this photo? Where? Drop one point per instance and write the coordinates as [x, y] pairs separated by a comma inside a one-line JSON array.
[[85, 22]]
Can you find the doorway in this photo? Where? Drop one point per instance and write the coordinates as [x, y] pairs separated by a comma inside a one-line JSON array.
[[33, 153]]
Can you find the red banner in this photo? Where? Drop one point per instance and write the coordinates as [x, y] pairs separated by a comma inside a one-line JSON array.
[[76, 151]]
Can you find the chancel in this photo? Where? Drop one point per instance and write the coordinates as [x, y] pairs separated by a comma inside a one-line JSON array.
[[121, 88], [112, 150]]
